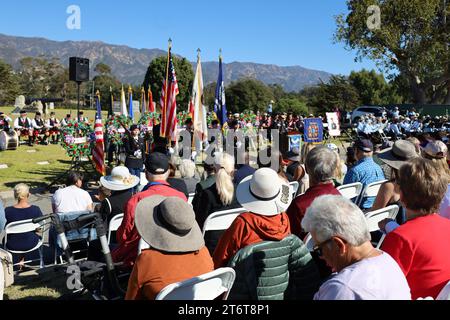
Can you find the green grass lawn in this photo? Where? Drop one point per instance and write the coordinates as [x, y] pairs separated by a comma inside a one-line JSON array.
[[60, 113], [23, 167]]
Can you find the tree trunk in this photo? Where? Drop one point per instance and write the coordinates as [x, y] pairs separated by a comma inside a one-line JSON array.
[[447, 98], [418, 93]]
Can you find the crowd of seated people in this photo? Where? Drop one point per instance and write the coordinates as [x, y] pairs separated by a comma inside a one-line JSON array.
[[409, 265]]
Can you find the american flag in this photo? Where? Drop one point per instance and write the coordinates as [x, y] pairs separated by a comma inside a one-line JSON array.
[[169, 102], [98, 154]]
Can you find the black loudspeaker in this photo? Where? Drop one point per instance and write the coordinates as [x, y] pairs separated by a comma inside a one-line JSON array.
[[78, 69]]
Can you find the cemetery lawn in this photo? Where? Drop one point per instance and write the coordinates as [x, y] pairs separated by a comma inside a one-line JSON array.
[[23, 167], [60, 113]]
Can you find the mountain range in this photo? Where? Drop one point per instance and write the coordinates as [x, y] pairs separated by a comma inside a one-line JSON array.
[[129, 65]]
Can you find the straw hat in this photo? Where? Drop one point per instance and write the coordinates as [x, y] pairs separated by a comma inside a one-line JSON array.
[[120, 179]]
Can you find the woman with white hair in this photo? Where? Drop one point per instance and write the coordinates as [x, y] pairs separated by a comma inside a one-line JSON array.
[[22, 211], [341, 236], [220, 196], [187, 172]]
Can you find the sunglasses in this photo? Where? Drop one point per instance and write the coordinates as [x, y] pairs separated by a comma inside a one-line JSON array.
[[318, 248]]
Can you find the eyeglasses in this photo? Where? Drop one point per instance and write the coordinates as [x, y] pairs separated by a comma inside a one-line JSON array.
[[318, 248]]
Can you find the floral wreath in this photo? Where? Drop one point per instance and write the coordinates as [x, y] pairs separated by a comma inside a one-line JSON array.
[[182, 117], [113, 124], [76, 138]]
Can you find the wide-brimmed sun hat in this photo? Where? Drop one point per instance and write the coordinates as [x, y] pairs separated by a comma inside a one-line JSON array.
[[401, 152], [168, 224], [120, 179], [264, 193]]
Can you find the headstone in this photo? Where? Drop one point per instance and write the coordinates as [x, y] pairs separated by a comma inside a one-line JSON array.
[[34, 107], [19, 105], [3, 166], [31, 151], [43, 163], [51, 106]]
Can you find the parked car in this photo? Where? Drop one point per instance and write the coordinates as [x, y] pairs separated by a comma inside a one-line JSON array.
[[365, 110]]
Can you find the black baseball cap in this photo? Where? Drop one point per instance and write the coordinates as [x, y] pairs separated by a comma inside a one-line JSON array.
[[157, 163], [22, 112], [364, 145]]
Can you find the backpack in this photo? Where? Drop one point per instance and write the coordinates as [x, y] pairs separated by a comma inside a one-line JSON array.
[[7, 266]]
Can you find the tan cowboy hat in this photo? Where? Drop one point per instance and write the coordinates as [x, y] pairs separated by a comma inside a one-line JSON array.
[[168, 224], [264, 193], [120, 179]]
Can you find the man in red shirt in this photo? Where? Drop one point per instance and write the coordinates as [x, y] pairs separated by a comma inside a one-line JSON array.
[[157, 172], [420, 246], [321, 164]]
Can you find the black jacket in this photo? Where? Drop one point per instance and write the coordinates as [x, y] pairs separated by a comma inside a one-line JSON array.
[[131, 146]]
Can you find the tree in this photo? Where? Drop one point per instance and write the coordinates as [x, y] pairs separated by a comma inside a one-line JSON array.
[[209, 94], [103, 83], [156, 74], [291, 104], [338, 93], [102, 69], [248, 94], [412, 39], [9, 84]]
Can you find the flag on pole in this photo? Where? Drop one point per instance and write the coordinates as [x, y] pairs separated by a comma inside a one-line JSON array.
[[123, 103], [200, 125], [111, 100], [143, 102], [151, 104], [98, 153], [220, 107], [130, 101], [169, 100]]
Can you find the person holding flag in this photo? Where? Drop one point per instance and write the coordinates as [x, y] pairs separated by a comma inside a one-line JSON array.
[[169, 100], [98, 153]]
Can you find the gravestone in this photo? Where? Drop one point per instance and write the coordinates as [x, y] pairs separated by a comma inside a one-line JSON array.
[[34, 107], [19, 105]]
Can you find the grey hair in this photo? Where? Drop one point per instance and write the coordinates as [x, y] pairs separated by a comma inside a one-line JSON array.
[[321, 164], [330, 216], [187, 168]]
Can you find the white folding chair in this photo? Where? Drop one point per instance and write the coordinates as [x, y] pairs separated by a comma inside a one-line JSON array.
[[208, 286], [445, 293], [24, 226], [294, 185], [309, 242], [374, 217], [351, 191], [191, 197], [221, 220], [371, 190], [114, 224]]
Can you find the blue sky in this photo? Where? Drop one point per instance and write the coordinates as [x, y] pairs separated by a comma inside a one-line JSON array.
[[282, 32]]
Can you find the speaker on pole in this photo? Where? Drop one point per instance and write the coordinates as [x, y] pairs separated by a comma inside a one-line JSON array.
[[78, 69]]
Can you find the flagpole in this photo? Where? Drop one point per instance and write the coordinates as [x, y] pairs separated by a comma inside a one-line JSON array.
[[166, 89]]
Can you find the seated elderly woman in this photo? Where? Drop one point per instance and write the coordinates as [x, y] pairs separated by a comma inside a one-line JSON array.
[[177, 249], [187, 172], [321, 164], [22, 211], [341, 236], [420, 246]]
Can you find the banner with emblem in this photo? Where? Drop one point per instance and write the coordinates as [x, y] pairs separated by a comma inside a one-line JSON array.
[[313, 130], [334, 128]]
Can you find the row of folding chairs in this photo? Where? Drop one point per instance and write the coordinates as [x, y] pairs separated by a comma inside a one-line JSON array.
[[356, 192]]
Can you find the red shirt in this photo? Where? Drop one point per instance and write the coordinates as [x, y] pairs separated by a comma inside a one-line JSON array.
[[421, 248], [297, 209], [249, 228], [127, 234]]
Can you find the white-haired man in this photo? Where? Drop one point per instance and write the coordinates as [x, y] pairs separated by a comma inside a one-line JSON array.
[[341, 236]]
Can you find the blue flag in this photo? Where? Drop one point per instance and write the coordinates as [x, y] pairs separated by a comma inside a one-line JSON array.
[[130, 107], [313, 130], [220, 107]]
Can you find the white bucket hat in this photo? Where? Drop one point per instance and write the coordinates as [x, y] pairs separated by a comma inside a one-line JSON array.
[[120, 179], [264, 193]]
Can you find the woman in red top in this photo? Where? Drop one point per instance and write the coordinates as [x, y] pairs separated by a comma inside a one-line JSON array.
[[266, 196], [420, 246]]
